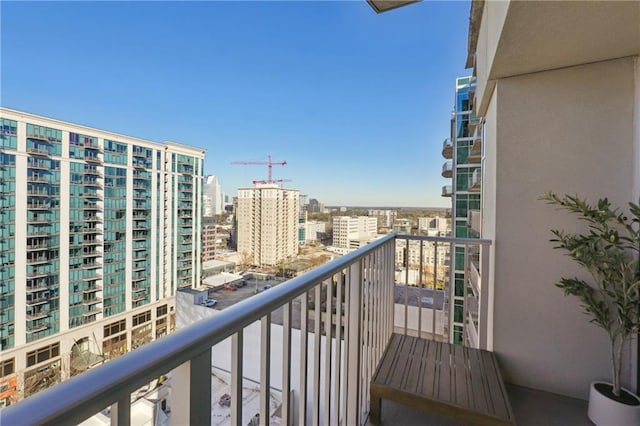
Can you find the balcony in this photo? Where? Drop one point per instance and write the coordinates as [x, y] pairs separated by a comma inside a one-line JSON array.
[[474, 157], [447, 191], [42, 152], [474, 219], [447, 169], [476, 181], [356, 290], [447, 149]]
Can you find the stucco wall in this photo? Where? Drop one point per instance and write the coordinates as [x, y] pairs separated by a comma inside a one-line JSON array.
[[570, 131]]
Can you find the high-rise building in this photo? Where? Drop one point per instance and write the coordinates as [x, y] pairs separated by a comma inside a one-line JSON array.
[[267, 218], [212, 197], [463, 153], [351, 232], [97, 232]]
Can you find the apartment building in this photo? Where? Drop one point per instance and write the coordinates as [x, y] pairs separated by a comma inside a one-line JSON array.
[[267, 217], [385, 217], [209, 241], [433, 226], [463, 153], [97, 232], [351, 232]]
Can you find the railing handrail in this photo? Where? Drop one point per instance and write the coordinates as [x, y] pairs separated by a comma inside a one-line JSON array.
[[78, 398]]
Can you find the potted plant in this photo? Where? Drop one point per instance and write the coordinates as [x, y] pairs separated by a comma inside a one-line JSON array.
[[609, 250]]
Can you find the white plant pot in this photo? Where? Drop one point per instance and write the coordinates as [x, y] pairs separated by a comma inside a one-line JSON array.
[[604, 411]]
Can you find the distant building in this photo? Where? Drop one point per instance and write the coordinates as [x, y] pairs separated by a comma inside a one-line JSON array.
[[351, 232], [267, 217], [212, 197], [402, 226], [315, 206], [209, 241], [385, 217], [313, 229], [433, 225]]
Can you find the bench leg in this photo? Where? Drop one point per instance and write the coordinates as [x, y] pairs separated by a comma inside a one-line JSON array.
[[375, 408]]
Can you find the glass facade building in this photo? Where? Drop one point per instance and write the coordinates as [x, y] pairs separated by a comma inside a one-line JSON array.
[[463, 153], [96, 229]]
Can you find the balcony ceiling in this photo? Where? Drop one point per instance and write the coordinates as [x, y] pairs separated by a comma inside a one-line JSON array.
[[544, 35]]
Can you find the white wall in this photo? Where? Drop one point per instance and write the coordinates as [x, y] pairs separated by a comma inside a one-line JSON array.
[[570, 131]]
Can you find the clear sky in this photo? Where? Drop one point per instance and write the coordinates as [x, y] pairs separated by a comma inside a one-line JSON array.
[[358, 104]]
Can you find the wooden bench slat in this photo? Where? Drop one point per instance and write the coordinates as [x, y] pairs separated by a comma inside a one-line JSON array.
[[454, 381]]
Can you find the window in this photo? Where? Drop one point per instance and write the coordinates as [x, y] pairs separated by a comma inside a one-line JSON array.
[[115, 327], [7, 367], [141, 318], [43, 354], [161, 310]]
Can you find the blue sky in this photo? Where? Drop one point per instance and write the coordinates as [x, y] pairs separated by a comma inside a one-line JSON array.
[[358, 104]]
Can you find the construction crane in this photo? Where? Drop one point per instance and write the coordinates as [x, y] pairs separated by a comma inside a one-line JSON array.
[[255, 182], [268, 163]]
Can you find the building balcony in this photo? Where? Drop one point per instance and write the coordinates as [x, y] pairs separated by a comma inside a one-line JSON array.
[[447, 169], [476, 181], [474, 157], [474, 220], [92, 159], [376, 308], [447, 149], [447, 191], [35, 205], [39, 260], [36, 328], [34, 316], [41, 152], [92, 312], [37, 178], [89, 301], [39, 165]]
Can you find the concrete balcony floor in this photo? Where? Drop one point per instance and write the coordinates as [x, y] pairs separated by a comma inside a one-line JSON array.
[[530, 407]]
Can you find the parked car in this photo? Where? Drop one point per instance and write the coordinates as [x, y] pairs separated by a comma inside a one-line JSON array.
[[266, 287], [230, 287], [209, 302]]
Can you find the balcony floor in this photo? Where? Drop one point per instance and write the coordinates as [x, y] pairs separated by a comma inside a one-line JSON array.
[[530, 407]]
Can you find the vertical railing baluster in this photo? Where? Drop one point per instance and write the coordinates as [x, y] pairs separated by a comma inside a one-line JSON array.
[[354, 344], [121, 411], [236, 377], [286, 364], [347, 338], [365, 329], [433, 292], [265, 369], [328, 324], [304, 357], [316, 354], [465, 302], [451, 296], [336, 395], [200, 389], [420, 290], [406, 287], [391, 281]]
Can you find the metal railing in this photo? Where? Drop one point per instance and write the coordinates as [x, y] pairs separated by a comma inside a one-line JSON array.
[[336, 322]]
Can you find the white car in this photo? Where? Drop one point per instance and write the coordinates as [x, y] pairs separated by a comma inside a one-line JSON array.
[[209, 303]]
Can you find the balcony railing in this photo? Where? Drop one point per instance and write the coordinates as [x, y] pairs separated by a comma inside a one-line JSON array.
[[447, 149], [447, 191], [336, 323]]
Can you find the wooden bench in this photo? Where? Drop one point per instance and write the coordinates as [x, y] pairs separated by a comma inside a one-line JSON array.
[[452, 381]]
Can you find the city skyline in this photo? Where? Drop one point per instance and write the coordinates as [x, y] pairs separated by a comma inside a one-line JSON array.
[[329, 87]]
